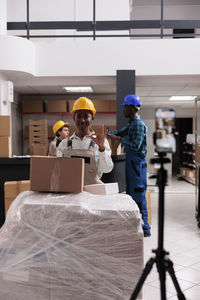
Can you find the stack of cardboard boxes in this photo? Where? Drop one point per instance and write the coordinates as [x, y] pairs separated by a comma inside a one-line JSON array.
[[38, 137], [5, 143], [12, 189]]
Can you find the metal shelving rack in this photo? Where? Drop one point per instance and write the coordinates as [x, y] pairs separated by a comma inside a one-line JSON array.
[[197, 180]]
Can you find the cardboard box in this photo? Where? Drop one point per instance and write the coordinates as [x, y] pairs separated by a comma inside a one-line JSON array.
[[190, 174], [38, 137], [41, 139], [101, 105], [38, 149], [57, 174], [33, 106], [70, 105], [113, 106], [115, 147], [57, 106], [12, 189], [102, 189], [4, 126], [5, 147], [183, 171], [40, 124], [50, 132], [148, 198]]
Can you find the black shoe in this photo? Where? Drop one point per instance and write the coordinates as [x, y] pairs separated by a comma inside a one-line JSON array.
[[146, 234]]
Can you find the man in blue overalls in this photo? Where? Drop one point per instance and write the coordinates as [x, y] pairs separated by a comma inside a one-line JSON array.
[[135, 145]]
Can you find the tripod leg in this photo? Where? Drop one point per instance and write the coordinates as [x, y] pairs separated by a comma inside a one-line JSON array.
[[162, 276], [144, 275], [170, 269]]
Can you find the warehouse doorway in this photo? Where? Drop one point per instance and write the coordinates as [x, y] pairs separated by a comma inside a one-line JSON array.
[[183, 127]]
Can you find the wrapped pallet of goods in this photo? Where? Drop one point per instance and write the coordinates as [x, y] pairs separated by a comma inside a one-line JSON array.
[[60, 246]]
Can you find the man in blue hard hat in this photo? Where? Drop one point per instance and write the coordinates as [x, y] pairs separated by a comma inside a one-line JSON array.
[[135, 144]]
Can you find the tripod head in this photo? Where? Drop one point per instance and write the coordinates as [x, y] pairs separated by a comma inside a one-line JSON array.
[[162, 173], [161, 159]]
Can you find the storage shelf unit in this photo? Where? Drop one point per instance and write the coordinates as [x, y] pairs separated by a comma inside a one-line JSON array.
[[63, 113]]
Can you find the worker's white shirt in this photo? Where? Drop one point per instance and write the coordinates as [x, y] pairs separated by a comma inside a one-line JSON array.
[[103, 159]]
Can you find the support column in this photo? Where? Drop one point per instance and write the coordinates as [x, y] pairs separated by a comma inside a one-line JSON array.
[[125, 86], [3, 17]]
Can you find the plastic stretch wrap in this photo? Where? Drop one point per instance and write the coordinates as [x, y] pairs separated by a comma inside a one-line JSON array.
[[70, 246]]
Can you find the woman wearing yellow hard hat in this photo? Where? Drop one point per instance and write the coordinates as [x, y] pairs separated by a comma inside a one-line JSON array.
[[92, 146], [61, 132]]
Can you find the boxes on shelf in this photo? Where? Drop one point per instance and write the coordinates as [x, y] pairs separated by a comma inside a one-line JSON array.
[[102, 105], [5, 146], [4, 126], [57, 174], [57, 106], [190, 174], [183, 171], [113, 106], [12, 189], [33, 106]]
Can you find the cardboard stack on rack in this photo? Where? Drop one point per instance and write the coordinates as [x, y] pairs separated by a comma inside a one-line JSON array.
[[38, 137], [5, 143], [57, 106], [33, 106]]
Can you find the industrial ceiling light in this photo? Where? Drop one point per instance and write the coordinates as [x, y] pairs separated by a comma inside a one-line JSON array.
[[78, 89], [182, 98]]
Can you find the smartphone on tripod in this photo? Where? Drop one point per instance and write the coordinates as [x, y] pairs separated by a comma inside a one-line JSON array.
[[164, 139]]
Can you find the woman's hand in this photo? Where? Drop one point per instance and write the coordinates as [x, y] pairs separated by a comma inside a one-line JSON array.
[[99, 137]]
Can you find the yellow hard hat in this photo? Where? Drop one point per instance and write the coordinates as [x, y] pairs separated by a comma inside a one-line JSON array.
[[58, 125], [83, 103]]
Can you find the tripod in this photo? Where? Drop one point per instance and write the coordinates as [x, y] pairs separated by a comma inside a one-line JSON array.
[[163, 263]]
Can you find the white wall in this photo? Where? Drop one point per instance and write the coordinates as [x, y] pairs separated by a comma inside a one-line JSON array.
[[3, 17], [17, 54], [105, 56]]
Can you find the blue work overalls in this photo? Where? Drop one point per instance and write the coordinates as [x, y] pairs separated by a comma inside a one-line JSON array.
[[136, 183]]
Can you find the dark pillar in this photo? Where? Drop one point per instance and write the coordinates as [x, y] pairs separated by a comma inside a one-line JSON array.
[[125, 86]]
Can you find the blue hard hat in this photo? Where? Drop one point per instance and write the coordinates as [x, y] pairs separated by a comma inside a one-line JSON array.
[[131, 100]]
